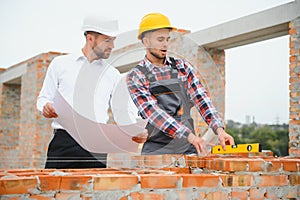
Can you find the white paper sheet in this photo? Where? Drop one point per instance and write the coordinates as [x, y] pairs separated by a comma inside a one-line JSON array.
[[96, 137]]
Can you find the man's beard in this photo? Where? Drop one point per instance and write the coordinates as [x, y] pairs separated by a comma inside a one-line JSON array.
[[156, 55], [100, 53]]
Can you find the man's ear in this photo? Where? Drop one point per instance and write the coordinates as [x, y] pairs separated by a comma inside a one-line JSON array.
[[89, 37], [146, 41]]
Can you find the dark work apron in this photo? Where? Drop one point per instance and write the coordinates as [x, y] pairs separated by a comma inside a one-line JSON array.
[[172, 98]]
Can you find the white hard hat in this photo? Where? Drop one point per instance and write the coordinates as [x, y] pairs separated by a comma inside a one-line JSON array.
[[101, 25]]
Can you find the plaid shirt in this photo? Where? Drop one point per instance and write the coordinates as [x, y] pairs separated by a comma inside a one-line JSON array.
[[146, 103]]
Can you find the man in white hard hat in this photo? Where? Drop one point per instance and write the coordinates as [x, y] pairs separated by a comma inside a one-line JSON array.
[[81, 79]]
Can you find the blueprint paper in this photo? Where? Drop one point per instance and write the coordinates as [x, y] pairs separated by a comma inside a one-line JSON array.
[[96, 137]]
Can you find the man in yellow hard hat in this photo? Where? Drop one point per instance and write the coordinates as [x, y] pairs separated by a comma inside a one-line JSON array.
[[164, 89]]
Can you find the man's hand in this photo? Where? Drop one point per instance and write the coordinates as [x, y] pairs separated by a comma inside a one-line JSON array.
[[224, 138], [141, 138], [199, 144], [48, 111]]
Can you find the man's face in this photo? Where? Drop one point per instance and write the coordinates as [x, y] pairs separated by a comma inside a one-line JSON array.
[[157, 42], [102, 45]]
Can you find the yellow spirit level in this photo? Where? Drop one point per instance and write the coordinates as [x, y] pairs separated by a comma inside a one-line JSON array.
[[239, 148]]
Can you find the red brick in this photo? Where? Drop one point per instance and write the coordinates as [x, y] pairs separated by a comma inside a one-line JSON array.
[[75, 182], [236, 180], [239, 195], [187, 195], [89, 197], [292, 193], [67, 196], [272, 165], [294, 151], [292, 45], [291, 165], [146, 196], [41, 197], [118, 182], [202, 195], [209, 163], [293, 59], [159, 161], [21, 185], [294, 122], [193, 161], [294, 179], [159, 181], [231, 164], [271, 194], [271, 180], [16, 171], [292, 31], [49, 183], [294, 51], [10, 198], [199, 180], [177, 170], [255, 165], [257, 193], [122, 198], [216, 195], [2, 174]]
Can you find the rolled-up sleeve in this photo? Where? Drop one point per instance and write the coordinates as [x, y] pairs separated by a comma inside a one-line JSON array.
[[201, 99], [49, 87]]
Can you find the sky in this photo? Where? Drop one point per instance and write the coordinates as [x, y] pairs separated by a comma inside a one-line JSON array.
[[256, 74]]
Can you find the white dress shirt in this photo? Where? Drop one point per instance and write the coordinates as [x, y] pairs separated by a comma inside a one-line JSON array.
[[87, 87]]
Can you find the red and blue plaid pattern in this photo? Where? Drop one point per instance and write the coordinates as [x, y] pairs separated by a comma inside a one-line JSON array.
[[146, 103]]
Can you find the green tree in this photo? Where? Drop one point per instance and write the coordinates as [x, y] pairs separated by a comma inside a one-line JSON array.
[[271, 137]]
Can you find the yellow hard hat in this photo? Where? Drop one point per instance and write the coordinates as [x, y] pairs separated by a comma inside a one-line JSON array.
[[153, 21]]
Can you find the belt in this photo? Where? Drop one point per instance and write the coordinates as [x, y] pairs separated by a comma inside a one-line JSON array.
[[59, 129]]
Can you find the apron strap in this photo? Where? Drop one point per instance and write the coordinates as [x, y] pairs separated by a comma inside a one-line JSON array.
[[147, 73], [150, 77], [174, 72]]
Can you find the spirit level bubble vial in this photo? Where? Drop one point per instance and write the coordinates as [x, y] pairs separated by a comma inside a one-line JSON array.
[[239, 148]]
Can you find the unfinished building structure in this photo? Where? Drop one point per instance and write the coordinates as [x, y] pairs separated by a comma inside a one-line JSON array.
[[24, 134]]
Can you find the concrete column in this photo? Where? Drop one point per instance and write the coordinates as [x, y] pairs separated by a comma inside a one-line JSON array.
[[294, 125], [9, 123], [35, 131]]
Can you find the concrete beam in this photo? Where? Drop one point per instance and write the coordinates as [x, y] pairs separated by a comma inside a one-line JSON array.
[[127, 60], [13, 75], [257, 27]]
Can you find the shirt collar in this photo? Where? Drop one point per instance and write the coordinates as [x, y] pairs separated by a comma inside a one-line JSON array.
[[80, 56], [145, 62]]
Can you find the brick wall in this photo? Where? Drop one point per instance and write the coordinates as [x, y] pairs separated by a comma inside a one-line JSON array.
[[238, 177], [294, 125], [10, 119], [34, 129], [24, 133]]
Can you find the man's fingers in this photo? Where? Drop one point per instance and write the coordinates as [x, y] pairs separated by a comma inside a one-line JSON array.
[[139, 139], [198, 149], [200, 146], [210, 144], [49, 112], [222, 141], [52, 112], [231, 141]]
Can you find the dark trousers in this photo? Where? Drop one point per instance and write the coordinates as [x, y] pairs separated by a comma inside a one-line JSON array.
[[64, 152]]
